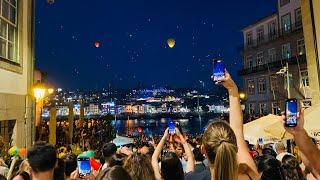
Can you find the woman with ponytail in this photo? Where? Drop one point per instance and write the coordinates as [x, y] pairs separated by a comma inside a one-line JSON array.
[[224, 144]]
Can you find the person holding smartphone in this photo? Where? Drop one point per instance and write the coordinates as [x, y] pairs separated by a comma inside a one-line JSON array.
[[224, 144], [303, 141], [171, 167]]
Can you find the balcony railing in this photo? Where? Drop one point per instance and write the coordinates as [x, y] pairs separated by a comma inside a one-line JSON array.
[[274, 64], [272, 37]]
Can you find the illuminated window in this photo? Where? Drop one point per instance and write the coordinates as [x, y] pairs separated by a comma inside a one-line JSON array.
[[286, 51], [250, 86], [260, 59], [286, 23]]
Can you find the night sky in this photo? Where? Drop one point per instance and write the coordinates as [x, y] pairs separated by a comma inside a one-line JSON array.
[[133, 40]]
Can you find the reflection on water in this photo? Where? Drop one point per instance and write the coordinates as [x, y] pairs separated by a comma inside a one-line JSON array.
[[157, 126]]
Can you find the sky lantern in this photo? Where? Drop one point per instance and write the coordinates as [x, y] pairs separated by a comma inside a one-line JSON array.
[[171, 42], [97, 44]]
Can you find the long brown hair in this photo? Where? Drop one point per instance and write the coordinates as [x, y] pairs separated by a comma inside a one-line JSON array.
[[139, 167], [221, 148]]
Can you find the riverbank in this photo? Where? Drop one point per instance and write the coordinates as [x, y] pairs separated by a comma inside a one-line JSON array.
[[125, 116]]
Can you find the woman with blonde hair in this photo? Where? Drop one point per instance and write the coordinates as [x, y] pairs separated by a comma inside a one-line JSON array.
[[224, 144]]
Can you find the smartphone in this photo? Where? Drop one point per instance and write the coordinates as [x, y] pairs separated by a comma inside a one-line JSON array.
[[84, 166], [260, 141], [172, 127], [218, 70], [291, 113]]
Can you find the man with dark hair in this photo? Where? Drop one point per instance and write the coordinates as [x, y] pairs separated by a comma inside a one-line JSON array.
[[108, 150], [70, 164], [198, 157], [42, 159]]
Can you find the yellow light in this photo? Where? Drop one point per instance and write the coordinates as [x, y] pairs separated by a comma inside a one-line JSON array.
[[50, 90], [171, 42], [242, 95], [39, 92]]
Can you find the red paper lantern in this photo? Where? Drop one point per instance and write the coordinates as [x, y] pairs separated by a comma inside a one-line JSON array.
[[139, 130], [97, 44]]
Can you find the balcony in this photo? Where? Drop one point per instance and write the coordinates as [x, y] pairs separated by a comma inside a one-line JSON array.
[[281, 33], [273, 65]]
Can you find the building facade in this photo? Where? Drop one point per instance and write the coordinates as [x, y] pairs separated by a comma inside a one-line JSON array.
[[16, 72], [269, 45], [311, 29]]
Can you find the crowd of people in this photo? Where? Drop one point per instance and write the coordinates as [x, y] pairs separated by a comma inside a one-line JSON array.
[[221, 153]]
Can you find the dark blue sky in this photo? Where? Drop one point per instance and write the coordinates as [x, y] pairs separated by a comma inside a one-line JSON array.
[[133, 35]]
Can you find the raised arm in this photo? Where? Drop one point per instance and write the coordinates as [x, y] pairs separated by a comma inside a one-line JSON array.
[[156, 154], [236, 123], [186, 147], [304, 142]]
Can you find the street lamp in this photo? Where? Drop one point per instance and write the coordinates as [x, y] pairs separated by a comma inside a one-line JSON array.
[[285, 71], [40, 91]]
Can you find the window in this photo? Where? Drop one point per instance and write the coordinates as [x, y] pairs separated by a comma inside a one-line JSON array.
[[260, 59], [272, 30], [260, 35], [304, 79], [262, 85], [6, 130], [274, 86], [249, 39], [286, 51], [263, 108], [286, 23], [272, 55], [298, 18], [251, 108], [250, 86], [276, 108], [284, 2], [300, 47], [249, 62], [8, 30]]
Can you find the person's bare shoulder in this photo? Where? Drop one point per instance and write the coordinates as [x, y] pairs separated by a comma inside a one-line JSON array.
[[246, 173], [18, 177]]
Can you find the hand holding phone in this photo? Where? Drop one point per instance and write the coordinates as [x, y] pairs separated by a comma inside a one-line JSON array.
[[171, 127], [291, 113], [218, 70], [84, 166]]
